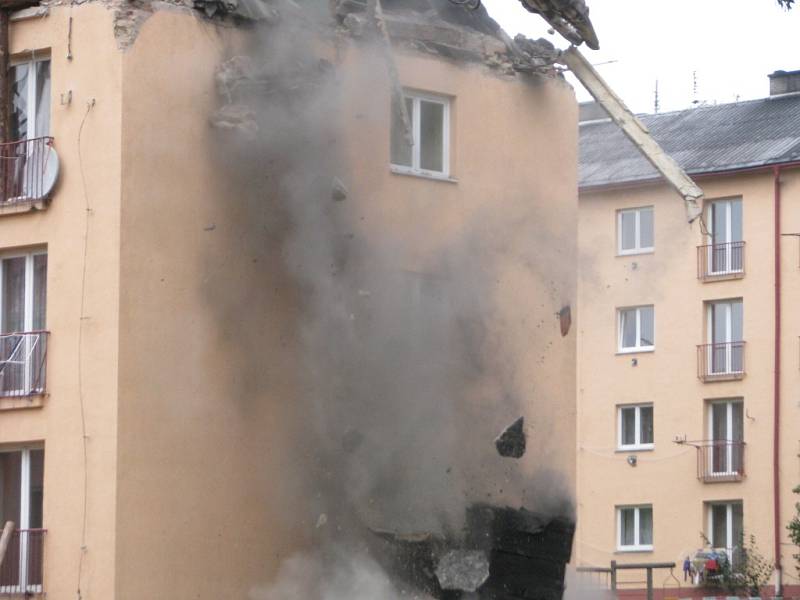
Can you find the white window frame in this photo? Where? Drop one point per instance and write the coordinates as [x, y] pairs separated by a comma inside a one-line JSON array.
[[415, 168], [637, 546], [637, 348], [637, 445], [24, 519], [728, 403], [31, 92], [638, 248], [728, 203], [728, 337], [729, 504]]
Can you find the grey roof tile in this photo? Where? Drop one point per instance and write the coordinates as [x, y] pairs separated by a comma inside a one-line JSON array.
[[705, 139]]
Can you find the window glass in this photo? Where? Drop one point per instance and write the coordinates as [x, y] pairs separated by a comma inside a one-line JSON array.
[[19, 101], [646, 424], [736, 321], [36, 489], [628, 426], [627, 527], [628, 230], [10, 482], [401, 150], [42, 97], [39, 291], [432, 136], [736, 525], [12, 318], [645, 227], [645, 526], [719, 525], [646, 337], [628, 324]]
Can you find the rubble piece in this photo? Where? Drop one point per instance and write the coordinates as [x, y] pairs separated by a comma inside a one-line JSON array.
[[534, 53], [511, 443], [237, 118], [463, 570], [247, 10], [565, 319], [352, 440], [233, 74], [569, 17], [338, 191], [375, 13]]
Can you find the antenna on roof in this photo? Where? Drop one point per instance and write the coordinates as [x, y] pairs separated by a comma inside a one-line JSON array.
[[655, 99], [695, 101]]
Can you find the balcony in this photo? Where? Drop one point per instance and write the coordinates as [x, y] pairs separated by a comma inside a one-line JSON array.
[[21, 571], [28, 170], [720, 362], [720, 261], [720, 461], [23, 359]]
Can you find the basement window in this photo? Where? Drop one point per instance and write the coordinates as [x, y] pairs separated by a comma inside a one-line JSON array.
[[635, 528], [635, 427], [429, 118]]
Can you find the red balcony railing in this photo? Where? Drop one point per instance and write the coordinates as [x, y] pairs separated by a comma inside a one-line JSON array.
[[720, 261], [720, 362], [23, 362], [25, 173], [21, 571], [719, 461]]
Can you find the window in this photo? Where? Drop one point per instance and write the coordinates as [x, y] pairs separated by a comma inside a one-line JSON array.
[[725, 321], [30, 93], [725, 231], [635, 230], [725, 526], [635, 528], [23, 301], [21, 493], [635, 427], [429, 118], [726, 429], [636, 329]]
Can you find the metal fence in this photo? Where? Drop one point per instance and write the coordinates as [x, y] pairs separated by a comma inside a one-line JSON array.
[[719, 461], [23, 361], [23, 172], [21, 571], [720, 260], [720, 361]]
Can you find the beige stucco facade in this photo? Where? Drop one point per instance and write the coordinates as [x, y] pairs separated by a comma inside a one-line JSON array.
[[666, 476], [172, 367]]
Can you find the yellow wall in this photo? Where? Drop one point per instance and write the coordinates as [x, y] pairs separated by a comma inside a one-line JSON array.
[[667, 377], [92, 74]]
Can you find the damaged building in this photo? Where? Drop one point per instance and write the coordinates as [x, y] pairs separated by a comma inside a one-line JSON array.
[[285, 295]]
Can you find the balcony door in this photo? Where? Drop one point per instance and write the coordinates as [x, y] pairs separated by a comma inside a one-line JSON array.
[[725, 527], [725, 228], [726, 429], [23, 295], [21, 495], [725, 337]]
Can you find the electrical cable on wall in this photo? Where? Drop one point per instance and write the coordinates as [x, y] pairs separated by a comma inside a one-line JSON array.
[[84, 437]]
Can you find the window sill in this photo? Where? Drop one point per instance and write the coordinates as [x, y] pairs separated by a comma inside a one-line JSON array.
[[421, 174], [629, 449], [641, 350], [634, 550], [21, 402], [625, 253]]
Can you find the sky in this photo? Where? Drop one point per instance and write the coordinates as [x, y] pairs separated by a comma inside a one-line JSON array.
[[724, 48]]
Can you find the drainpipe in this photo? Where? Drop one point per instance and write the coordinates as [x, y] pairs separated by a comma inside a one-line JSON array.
[[5, 90], [776, 474]]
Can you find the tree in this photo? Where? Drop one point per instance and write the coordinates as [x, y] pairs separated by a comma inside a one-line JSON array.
[[746, 572], [794, 528]]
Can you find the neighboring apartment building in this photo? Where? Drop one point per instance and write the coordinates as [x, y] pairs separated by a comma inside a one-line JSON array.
[[149, 366], [689, 365]]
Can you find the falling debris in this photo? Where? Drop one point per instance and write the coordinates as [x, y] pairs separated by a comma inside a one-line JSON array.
[[246, 10], [565, 318], [322, 520], [569, 17], [338, 191], [352, 440], [511, 443], [464, 570]]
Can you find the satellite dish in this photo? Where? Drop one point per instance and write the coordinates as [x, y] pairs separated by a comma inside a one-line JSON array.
[[51, 170]]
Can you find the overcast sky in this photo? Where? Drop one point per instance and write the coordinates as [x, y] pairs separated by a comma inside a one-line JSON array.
[[731, 45]]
